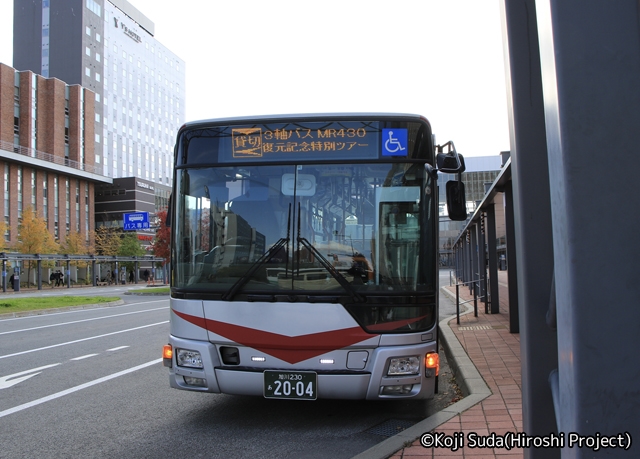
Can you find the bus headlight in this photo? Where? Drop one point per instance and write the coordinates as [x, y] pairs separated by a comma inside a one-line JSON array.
[[403, 366], [187, 358]]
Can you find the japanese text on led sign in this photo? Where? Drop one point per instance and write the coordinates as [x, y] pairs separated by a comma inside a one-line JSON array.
[[257, 142]]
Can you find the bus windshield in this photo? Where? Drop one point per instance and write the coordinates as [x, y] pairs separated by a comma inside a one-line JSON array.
[[336, 229]]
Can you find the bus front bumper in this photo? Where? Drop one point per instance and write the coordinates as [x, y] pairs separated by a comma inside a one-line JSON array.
[[370, 384]]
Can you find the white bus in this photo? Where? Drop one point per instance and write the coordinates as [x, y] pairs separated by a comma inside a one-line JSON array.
[[305, 258]]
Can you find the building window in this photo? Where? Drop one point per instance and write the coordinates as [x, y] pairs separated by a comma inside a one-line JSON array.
[[87, 71], [82, 132], [34, 115], [56, 197], [68, 207], [33, 190], [7, 222], [19, 192], [45, 198], [94, 7], [86, 211], [77, 206]]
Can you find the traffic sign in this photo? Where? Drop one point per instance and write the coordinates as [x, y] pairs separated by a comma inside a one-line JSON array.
[[136, 221]]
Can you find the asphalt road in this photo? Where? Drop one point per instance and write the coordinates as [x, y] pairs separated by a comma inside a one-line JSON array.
[[90, 383]]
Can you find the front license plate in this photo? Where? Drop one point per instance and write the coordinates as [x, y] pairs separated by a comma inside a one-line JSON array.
[[291, 384]]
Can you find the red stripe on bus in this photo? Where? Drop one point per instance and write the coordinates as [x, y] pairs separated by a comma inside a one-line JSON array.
[[291, 349]]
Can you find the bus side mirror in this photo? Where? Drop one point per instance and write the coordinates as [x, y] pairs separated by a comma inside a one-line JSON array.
[[456, 201], [450, 162]]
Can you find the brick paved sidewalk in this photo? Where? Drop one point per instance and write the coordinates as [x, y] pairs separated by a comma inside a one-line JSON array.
[[496, 354]]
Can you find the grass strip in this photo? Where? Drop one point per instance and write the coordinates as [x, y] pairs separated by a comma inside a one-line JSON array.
[[35, 303], [151, 290]]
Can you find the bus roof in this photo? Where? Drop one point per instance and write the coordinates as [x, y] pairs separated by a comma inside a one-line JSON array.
[[306, 117]]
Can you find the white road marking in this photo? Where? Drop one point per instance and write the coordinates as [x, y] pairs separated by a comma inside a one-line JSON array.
[[48, 398], [80, 321], [117, 348], [81, 340], [82, 357], [12, 380]]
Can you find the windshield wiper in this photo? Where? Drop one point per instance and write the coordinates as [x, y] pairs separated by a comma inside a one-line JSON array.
[[268, 255], [326, 264]]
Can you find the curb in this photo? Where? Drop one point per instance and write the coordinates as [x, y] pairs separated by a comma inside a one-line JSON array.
[[468, 378], [40, 312], [147, 294]]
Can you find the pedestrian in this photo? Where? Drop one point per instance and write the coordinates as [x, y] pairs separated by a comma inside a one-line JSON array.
[[146, 275], [11, 281], [131, 277], [151, 279], [52, 278]]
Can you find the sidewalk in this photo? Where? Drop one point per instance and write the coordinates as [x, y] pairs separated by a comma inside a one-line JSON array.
[[496, 354]]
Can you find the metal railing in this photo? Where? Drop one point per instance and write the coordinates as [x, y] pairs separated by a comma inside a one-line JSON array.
[[476, 286], [88, 259], [33, 153]]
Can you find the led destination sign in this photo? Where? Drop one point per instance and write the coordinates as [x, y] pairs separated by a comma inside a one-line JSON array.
[[301, 141], [254, 142]]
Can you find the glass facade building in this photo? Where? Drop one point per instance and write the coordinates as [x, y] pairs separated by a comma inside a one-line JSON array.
[[110, 48]]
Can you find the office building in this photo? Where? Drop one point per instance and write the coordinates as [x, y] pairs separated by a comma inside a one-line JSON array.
[[47, 154], [130, 195], [108, 46]]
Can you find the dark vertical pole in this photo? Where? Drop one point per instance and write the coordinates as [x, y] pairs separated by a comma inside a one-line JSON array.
[[493, 259], [39, 272], [532, 205], [465, 257], [474, 256], [475, 298], [468, 260], [94, 274], [458, 303], [482, 263], [68, 267], [512, 256], [458, 261], [16, 277]]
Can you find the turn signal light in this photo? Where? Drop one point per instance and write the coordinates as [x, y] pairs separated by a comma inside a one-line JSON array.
[[432, 360], [167, 355]]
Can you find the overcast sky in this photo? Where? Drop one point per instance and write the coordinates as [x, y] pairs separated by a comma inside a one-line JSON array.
[[439, 58]]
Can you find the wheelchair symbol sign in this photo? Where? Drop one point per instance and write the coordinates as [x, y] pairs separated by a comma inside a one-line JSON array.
[[394, 142]]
